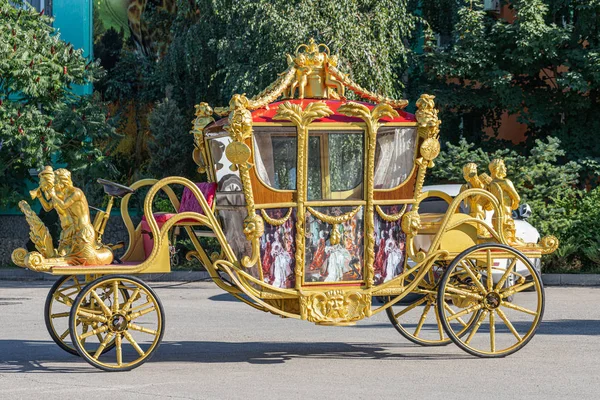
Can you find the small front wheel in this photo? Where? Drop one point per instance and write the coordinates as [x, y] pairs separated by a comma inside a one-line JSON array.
[[499, 286], [135, 326], [57, 310]]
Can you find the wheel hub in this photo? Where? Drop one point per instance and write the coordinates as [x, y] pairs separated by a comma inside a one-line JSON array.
[[492, 300], [118, 322]]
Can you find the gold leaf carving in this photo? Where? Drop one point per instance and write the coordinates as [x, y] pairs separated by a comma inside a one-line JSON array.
[[335, 307], [275, 221]]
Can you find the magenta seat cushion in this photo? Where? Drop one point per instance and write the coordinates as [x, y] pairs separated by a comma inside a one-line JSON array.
[[189, 201]]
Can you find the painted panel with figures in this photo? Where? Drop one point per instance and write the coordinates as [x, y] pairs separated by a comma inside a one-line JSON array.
[[390, 240], [278, 248], [334, 253]]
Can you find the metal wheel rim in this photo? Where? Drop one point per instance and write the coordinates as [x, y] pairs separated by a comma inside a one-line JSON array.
[[485, 313], [140, 289]]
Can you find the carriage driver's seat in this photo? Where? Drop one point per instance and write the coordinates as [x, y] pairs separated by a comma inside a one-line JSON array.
[[115, 189]]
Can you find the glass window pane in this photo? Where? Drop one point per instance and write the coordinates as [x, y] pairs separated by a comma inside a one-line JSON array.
[[394, 155], [38, 4], [345, 160], [227, 180], [335, 165], [314, 168], [275, 156]]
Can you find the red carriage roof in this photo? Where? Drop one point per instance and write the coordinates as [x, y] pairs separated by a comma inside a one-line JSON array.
[[266, 114]]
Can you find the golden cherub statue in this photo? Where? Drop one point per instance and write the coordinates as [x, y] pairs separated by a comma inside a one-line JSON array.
[[477, 204], [504, 190], [78, 244]]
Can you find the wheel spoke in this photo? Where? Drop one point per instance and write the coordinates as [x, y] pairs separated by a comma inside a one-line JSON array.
[[61, 298], [466, 311], [100, 302], [77, 283], [134, 343], [64, 335], [490, 277], [119, 349], [85, 335], [451, 311], [439, 323], [103, 344], [410, 307], [461, 292], [518, 308], [473, 277], [506, 274], [93, 317], [138, 314], [476, 327], [492, 331], [141, 306], [142, 329], [60, 315], [85, 330], [422, 320], [508, 324], [131, 299], [115, 305], [516, 289]]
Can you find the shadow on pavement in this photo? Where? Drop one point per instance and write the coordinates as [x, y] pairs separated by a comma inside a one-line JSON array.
[[45, 356]]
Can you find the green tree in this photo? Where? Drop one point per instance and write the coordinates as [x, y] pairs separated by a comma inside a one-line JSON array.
[[542, 180], [171, 143], [542, 67], [218, 48], [41, 119]]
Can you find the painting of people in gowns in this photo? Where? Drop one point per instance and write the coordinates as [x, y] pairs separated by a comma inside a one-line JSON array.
[[337, 263], [320, 256], [267, 259], [380, 258], [335, 253], [277, 250], [394, 257], [282, 261]]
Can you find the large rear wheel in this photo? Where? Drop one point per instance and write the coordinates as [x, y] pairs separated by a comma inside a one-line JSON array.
[[497, 285], [416, 317]]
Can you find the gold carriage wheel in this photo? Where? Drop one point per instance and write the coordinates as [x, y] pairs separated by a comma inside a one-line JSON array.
[[136, 326], [57, 309], [419, 320], [509, 306]]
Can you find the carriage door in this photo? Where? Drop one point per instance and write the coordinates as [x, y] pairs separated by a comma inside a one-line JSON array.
[[334, 207]]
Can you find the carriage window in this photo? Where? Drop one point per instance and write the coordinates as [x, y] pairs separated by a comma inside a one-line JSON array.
[[335, 165], [394, 155], [227, 180], [275, 156], [314, 169]]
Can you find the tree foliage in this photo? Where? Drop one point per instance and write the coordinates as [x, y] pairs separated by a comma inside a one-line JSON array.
[[220, 47], [41, 119], [170, 136], [542, 180], [542, 67]]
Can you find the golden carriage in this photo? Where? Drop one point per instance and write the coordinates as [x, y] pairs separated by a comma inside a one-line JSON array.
[[314, 201]]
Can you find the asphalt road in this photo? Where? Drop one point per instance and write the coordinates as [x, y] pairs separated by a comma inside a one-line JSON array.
[[216, 347]]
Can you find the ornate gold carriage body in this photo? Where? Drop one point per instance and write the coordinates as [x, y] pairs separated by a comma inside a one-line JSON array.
[[314, 200]]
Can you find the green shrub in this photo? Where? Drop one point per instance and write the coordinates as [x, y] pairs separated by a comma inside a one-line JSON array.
[[543, 182]]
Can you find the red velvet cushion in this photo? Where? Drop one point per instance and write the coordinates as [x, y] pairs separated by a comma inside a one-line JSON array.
[[189, 201], [161, 218]]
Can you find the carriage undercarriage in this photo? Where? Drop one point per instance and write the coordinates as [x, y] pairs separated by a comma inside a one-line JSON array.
[[314, 204]]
